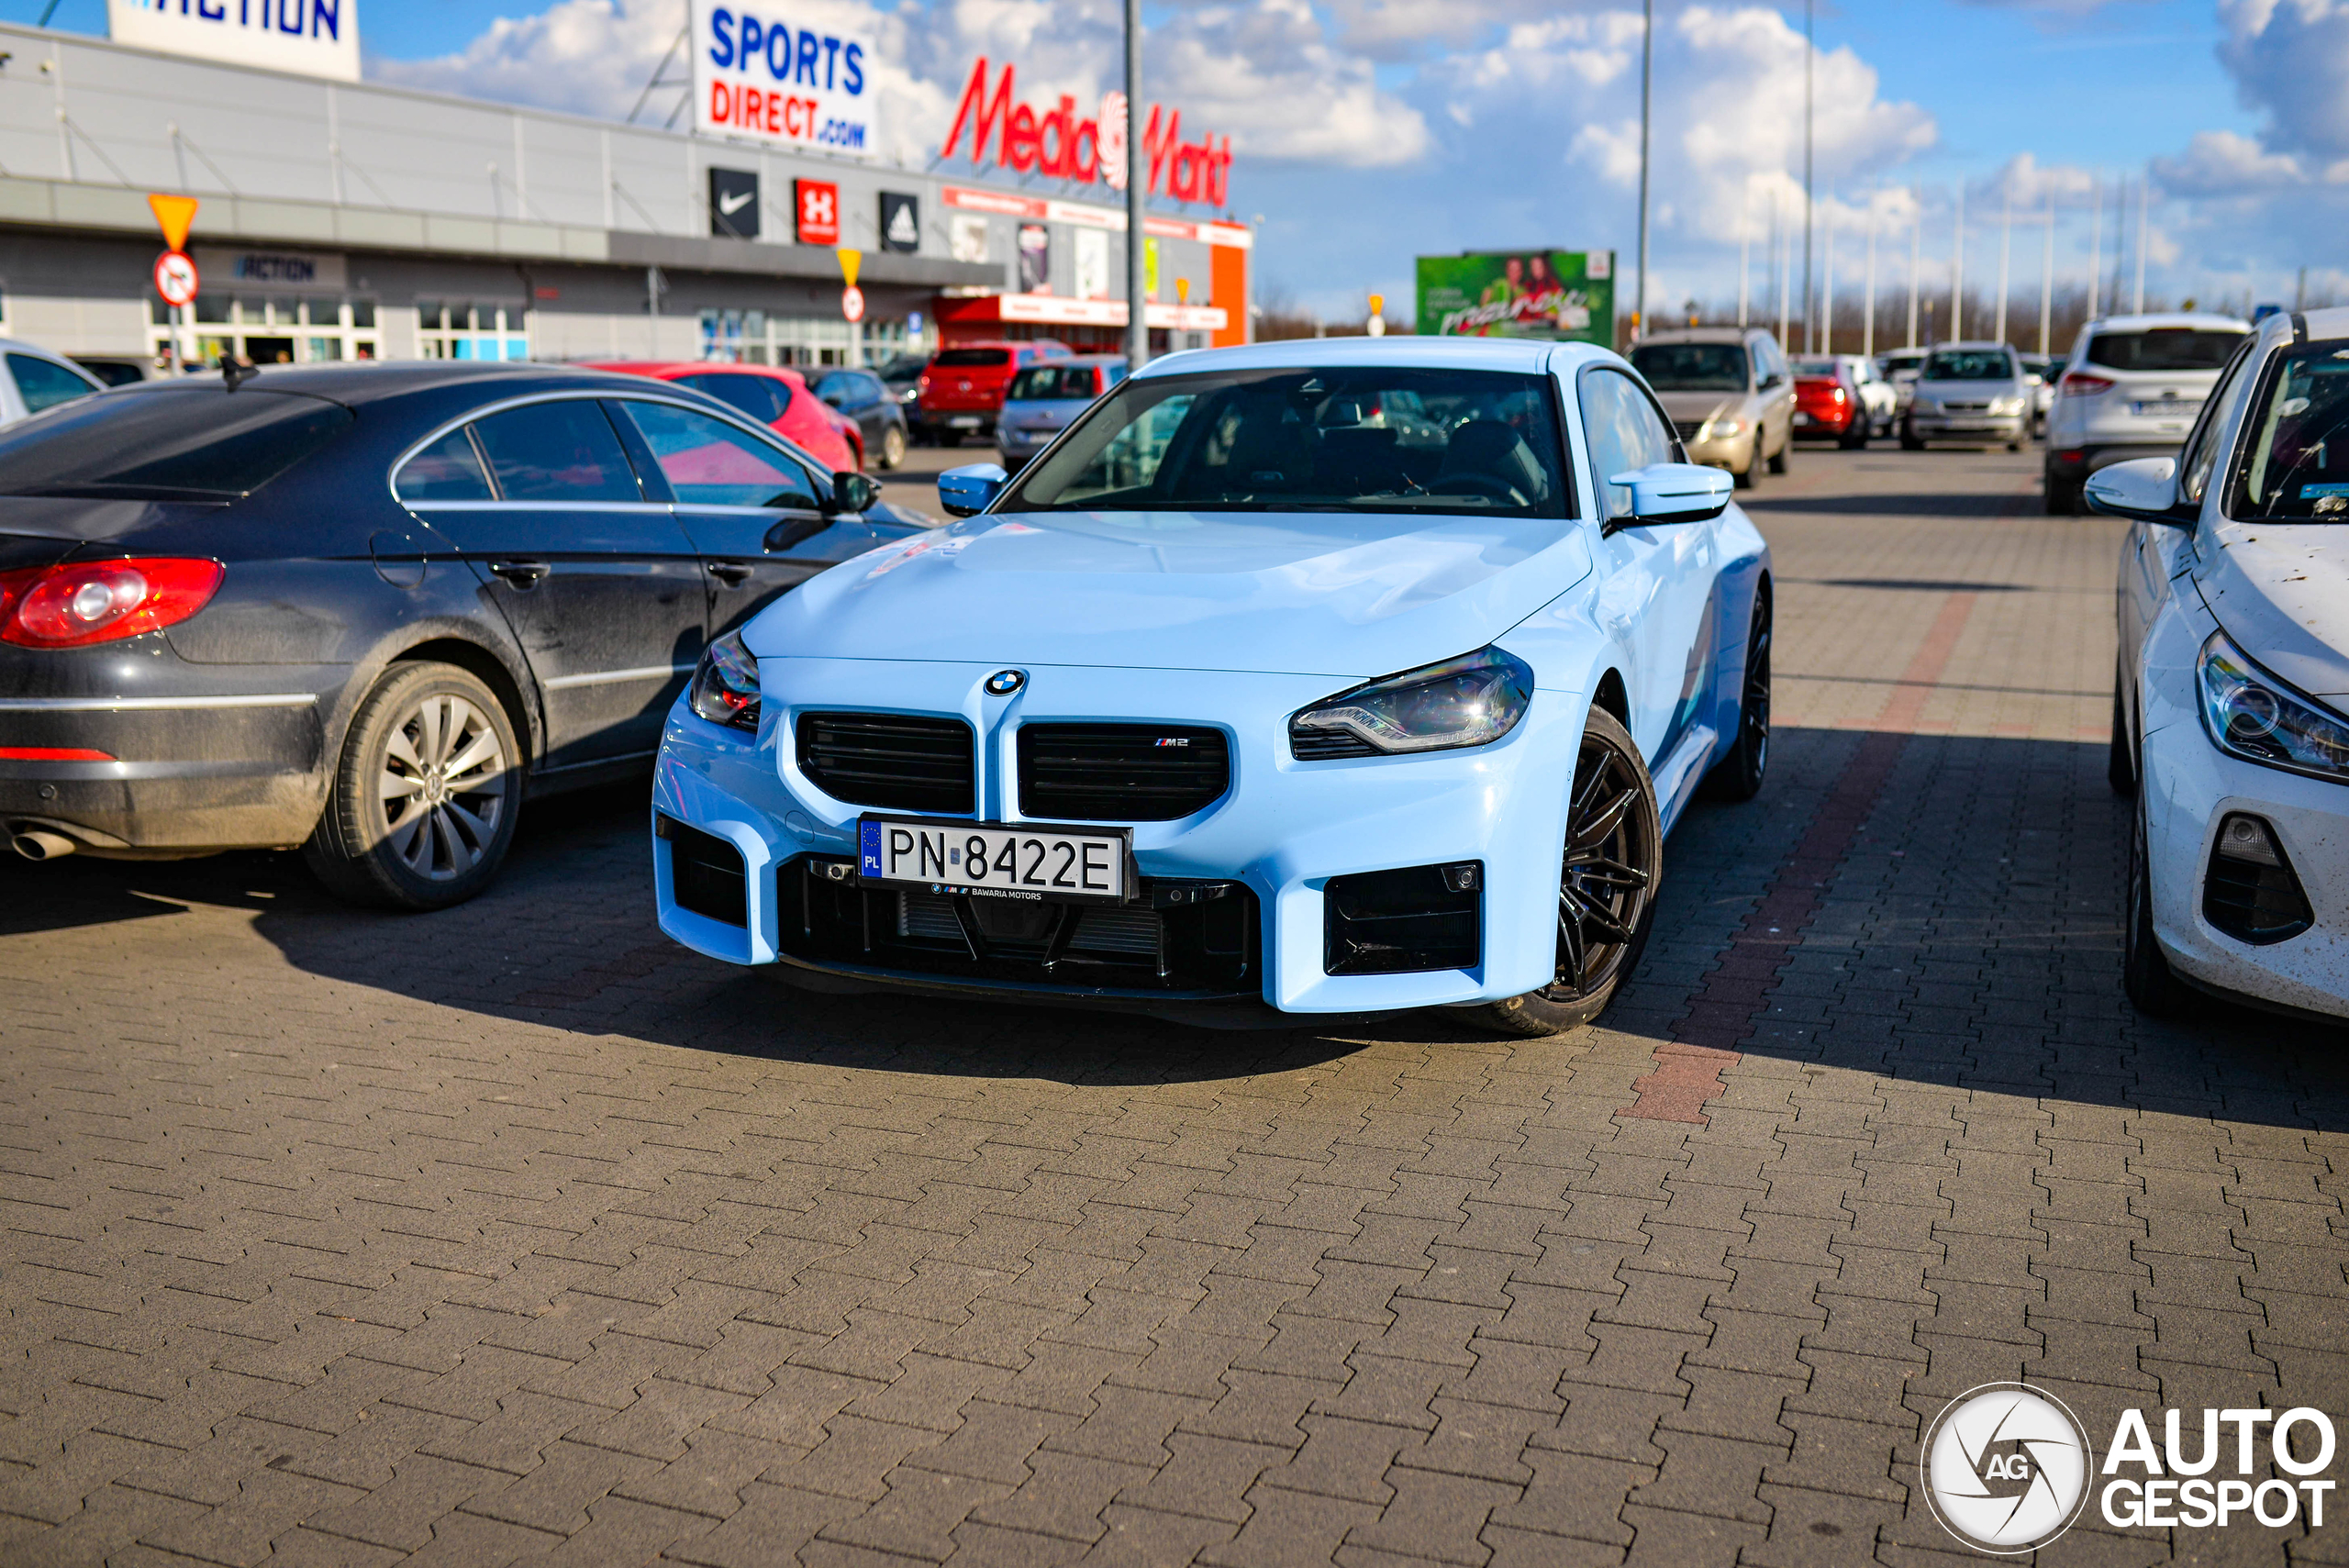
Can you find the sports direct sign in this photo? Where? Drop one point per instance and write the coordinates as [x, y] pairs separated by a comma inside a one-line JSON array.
[[759, 75], [1060, 143]]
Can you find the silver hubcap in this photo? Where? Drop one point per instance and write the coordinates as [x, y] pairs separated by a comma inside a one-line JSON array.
[[443, 787]]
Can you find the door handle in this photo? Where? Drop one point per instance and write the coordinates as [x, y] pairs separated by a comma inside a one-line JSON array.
[[733, 574], [521, 574]]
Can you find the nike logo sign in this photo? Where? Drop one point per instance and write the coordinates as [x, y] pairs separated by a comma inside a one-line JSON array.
[[732, 205]]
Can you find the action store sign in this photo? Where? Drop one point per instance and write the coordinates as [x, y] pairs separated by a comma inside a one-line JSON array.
[[2006, 1468], [315, 37], [759, 73]]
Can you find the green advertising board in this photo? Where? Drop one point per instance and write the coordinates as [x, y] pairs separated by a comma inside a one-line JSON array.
[[1562, 295]]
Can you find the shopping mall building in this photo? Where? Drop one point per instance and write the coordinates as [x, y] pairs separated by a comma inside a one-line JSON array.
[[349, 220]]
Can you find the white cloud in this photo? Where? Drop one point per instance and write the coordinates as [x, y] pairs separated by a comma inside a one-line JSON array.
[[2290, 59], [2223, 164]]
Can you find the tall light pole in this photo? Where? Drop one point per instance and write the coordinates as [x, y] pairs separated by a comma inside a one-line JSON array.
[[1867, 329], [2096, 246], [1808, 50], [2047, 277], [2005, 245], [1916, 261], [1137, 306], [1647, 82], [2144, 210], [1957, 271], [1745, 253]]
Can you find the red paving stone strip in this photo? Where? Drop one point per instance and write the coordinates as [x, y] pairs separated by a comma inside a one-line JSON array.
[[1689, 1069]]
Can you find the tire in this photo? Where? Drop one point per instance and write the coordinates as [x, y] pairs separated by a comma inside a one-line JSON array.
[[892, 447], [1750, 477], [1855, 438], [402, 828], [1612, 865], [2015, 445], [1779, 457], [1910, 442], [2120, 757], [2145, 974], [2063, 498], [1738, 776]]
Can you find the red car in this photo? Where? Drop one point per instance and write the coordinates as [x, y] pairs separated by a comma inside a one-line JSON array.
[[1828, 403], [961, 390], [772, 395]]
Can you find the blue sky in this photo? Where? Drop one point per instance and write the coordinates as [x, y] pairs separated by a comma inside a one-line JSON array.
[[1367, 130]]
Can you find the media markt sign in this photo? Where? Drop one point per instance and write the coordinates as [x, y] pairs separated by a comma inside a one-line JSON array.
[[315, 37]]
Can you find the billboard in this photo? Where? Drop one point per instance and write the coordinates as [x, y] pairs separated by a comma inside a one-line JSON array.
[[315, 37], [1566, 295], [758, 76]]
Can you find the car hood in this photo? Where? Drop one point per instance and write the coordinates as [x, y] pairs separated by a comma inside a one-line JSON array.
[[1695, 406], [2281, 591], [1346, 594]]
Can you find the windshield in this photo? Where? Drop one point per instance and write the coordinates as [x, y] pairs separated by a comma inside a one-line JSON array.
[[1691, 367], [1815, 367], [904, 367], [201, 442], [1041, 383], [1970, 364], [2296, 459], [1357, 438], [2163, 349]]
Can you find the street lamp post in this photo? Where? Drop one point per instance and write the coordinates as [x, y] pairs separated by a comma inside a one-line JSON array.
[[1808, 50], [1647, 82], [1137, 306]]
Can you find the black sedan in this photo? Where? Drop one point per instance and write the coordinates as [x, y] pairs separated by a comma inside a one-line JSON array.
[[367, 610], [861, 395]]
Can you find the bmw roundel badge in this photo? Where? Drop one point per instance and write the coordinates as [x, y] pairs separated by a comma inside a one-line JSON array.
[[1003, 682]]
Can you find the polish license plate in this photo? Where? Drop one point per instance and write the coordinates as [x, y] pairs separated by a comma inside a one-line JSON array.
[[987, 860], [964, 422], [2166, 408], [1802, 418]]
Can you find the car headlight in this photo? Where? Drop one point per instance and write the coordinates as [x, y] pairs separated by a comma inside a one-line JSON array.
[[1722, 430], [2252, 715], [725, 688], [1473, 700], [2006, 404]]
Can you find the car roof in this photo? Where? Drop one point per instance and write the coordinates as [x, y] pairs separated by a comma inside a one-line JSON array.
[[2207, 320], [357, 382], [2327, 324], [1526, 355], [670, 370], [1975, 346]]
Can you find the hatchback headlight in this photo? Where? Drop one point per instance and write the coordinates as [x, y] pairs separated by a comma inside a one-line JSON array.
[[1723, 429], [2005, 405], [725, 688], [2252, 715], [1473, 700]]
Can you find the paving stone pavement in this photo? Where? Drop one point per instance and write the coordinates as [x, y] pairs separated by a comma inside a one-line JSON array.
[[515, 1234]]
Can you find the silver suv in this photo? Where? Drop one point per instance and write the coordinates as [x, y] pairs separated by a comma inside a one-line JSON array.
[[2130, 388], [1728, 392]]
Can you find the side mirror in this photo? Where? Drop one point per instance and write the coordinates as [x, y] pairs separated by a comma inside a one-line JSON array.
[[2144, 489], [1673, 493], [835, 397], [971, 489], [853, 491]]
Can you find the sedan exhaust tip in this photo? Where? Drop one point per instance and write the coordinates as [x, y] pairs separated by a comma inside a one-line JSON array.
[[39, 844]]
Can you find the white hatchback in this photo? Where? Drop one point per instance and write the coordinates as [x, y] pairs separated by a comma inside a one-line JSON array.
[[2129, 389], [2230, 712]]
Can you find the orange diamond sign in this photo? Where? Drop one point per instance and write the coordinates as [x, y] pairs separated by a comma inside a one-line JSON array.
[[176, 214]]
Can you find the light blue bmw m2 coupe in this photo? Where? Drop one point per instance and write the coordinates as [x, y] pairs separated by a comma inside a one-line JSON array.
[[1290, 683]]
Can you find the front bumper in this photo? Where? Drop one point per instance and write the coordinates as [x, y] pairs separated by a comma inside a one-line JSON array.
[[1968, 427], [2190, 786], [1282, 830], [1734, 454]]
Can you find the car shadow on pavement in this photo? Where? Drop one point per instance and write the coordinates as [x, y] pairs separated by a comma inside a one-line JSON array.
[[1968, 936], [1943, 503]]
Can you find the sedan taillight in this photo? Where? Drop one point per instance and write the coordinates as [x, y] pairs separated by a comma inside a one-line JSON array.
[[80, 602], [2079, 384]]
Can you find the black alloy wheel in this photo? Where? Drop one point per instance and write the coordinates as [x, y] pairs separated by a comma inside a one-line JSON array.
[[1612, 863], [1738, 776], [2145, 974]]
